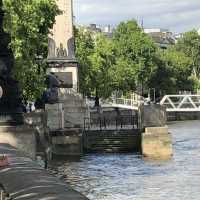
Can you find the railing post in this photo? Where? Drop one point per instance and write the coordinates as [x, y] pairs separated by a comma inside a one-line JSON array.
[[104, 119], [116, 122], [100, 123]]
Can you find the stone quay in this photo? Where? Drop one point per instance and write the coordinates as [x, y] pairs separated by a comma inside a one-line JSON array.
[[24, 179]]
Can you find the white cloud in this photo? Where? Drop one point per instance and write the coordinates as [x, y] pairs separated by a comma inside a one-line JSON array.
[[179, 15]]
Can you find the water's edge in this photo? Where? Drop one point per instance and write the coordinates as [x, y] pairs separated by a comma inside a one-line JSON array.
[[128, 176]]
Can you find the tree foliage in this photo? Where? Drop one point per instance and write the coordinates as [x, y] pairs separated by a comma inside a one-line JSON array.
[[101, 61], [95, 56], [134, 56], [131, 59], [172, 72], [84, 48], [190, 46], [29, 22]]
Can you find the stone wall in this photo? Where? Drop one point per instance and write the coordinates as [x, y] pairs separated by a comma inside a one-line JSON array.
[[152, 116], [22, 137], [25, 179], [67, 142]]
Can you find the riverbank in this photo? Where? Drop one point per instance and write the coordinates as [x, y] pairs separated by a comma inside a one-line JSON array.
[[23, 179], [130, 177]]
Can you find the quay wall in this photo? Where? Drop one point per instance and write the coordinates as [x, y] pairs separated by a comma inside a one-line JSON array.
[[23, 179], [183, 116]]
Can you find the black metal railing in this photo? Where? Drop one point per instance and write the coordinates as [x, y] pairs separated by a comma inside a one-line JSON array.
[[110, 123]]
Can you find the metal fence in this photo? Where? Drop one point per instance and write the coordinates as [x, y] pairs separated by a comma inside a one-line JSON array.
[[111, 123]]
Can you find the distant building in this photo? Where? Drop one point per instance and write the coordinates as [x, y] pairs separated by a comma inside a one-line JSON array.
[[162, 37], [155, 30], [178, 36], [108, 31], [96, 29]]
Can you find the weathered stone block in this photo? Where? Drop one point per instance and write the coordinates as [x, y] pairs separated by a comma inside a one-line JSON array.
[[35, 118], [152, 116], [157, 143], [67, 94], [77, 119], [21, 137], [65, 140], [55, 116], [156, 130], [67, 145]]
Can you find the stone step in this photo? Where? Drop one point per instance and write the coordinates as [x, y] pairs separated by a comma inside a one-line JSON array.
[[112, 137], [112, 150], [113, 141]]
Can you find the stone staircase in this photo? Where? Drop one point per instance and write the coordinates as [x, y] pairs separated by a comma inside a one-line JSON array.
[[110, 141]]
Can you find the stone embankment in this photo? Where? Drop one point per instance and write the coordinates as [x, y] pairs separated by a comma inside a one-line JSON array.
[[23, 179]]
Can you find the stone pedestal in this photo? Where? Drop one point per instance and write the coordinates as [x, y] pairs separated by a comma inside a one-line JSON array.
[[66, 71], [157, 143], [55, 116]]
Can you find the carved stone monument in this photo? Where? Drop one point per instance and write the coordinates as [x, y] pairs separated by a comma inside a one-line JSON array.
[[61, 56], [10, 101], [65, 118], [62, 63]]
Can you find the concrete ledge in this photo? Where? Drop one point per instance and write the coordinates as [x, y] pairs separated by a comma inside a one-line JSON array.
[[156, 130], [23, 179]]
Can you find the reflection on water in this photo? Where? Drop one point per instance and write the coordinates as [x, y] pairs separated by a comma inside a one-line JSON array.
[[129, 177]]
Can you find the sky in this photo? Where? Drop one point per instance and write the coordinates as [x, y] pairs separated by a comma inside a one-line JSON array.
[[176, 15]]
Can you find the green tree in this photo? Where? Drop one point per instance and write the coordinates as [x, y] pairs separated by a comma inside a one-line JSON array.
[[101, 61], [84, 49], [96, 57], [134, 56], [190, 46], [172, 73], [29, 22]]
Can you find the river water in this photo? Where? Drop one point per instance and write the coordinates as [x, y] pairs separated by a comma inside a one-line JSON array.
[[129, 177]]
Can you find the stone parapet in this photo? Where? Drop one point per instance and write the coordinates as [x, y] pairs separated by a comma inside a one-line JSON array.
[[21, 137], [24, 179]]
